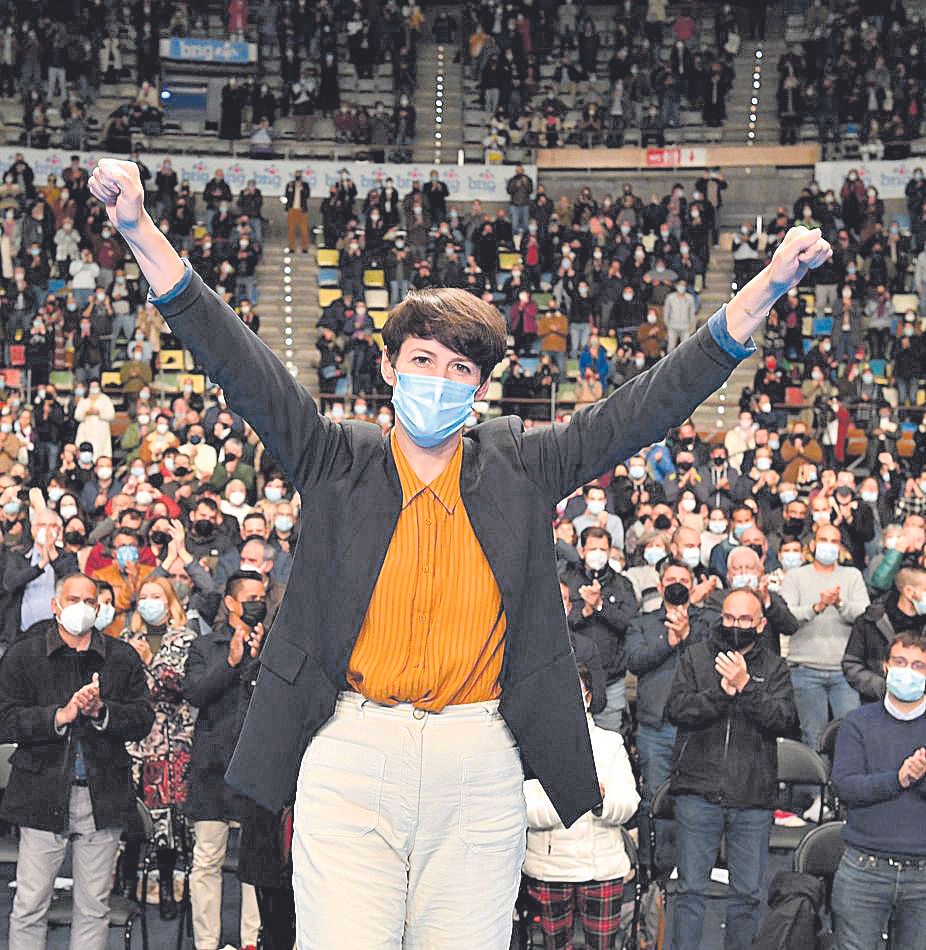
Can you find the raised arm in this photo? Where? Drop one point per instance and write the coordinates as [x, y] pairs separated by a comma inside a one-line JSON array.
[[256, 383], [561, 457]]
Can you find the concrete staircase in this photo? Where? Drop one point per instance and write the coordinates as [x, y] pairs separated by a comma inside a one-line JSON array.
[[291, 335], [717, 411], [435, 61]]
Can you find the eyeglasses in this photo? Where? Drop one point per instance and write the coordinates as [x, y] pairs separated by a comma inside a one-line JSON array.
[[744, 622], [900, 662]]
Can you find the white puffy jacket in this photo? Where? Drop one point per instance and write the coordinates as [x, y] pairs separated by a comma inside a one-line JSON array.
[[592, 849]]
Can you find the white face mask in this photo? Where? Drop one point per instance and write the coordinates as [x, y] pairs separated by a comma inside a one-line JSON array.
[[596, 560], [104, 474], [763, 464], [236, 498], [689, 504], [144, 498], [595, 507], [691, 557], [717, 527], [68, 512], [869, 496], [41, 536], [77, 619]]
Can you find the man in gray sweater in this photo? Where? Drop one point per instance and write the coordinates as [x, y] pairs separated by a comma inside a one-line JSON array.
[[825, 598], [679, 316]]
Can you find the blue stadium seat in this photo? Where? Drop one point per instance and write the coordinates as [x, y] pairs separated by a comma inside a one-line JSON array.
[[55, 286], [328, 277], [822, 326], [878, 367]]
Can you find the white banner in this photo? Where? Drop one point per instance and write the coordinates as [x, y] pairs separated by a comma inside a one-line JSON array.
[[890, 178], [465, 182]]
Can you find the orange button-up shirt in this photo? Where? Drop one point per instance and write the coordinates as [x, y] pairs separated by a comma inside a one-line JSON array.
[[435, 629]]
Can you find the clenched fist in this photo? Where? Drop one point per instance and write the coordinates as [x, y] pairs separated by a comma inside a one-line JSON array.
[[118, 185], [800, 251]]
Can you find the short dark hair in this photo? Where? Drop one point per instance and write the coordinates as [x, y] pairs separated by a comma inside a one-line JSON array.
[[670, 561], [104, 585], [206, 503], [908, 638], [587, 488], [594, 531], [233, 584], [585, 677], [455, 318]]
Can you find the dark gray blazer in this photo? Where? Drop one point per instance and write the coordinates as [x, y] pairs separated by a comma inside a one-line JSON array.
[[351, 496]]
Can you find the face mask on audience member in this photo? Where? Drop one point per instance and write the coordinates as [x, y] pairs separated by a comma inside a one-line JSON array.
[[68, 512], [826, 552], [126, 554], [596, 559], [254, 612], [636, 472], [787, 496], [717, 527], [763, 464], [739, 581], [740, 529], [595, 506], [675, 594], [688, 504], [653, 556], [283, 524], [870, 497], [105, 614], [152, 611], [77, 619], [737, 638], [272, 493], [791, 559], [905, 684], [691, 557], [236, 498], [662, 522]]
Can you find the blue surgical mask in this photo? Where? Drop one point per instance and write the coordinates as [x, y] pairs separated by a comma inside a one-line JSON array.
[[431, 408], [283, 523], [105, 615], [740, 529], [920, 606], [739, 581], [13, 507], [126, 554], [691, 557], [654, 555], [151, 610], [826, 552], [786, 497], [791, 559], [905, 684], [272, 493]]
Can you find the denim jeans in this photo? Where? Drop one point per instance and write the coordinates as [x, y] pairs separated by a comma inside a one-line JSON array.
[[612, 715], [578, 337], [655, 747], [520, 216], [906, 390], [867, 892], [398, 291], [700, 828], [820, 695]]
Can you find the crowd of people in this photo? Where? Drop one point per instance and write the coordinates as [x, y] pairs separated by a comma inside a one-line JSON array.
[[612, 283], [861, 72], [549, 76]]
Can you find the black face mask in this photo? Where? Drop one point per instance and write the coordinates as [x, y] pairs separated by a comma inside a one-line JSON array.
[[794, 526], [758, 549], [662, 523], [181, 472], [675, 594], [159, 537], [683, 466], [204, 527], [719, 461], [254, 612], [735, 638], [74, 537], [195, 439]]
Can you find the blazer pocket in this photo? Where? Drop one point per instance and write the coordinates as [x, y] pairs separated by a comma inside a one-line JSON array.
[[283, 658]]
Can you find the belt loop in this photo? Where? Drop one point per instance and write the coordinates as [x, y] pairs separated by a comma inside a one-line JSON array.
[[363, 703]]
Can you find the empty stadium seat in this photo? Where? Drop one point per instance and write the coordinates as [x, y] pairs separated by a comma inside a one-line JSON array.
[[822, 326], [905, 302], [376, 298], [374, 278], [328, 295], [379, 318], [328, 257], [328, 277], [508, 259]]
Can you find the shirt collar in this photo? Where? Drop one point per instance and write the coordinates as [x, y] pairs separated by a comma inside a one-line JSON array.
[[445, 488], [53, 641], [902, 715]]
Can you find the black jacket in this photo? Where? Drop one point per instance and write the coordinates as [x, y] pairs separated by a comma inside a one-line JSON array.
[[16, 573], [653, 661], [726, 748], [607, 627], [511, 480], [780, 622], [868, 646], [791, 922], [214, 688], [38, 675]]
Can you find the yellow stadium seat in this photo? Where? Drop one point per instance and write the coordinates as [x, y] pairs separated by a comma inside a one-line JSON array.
[[376, 299], [508, 259], [374, 278], [328, 295], [904, 302], [171, 359], [379, 318], [378, 340], [609, 345], [807, 326], [110, 379], [809, 303], [328, 257]]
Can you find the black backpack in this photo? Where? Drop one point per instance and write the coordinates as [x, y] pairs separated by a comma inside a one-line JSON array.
[[792, 921]]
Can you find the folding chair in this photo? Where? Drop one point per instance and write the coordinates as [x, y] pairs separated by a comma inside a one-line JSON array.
[[819, 853], [798, 764], [826, 746], [123, 911]]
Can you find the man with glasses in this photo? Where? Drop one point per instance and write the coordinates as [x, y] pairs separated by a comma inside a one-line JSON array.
[[878, 772], [730, 700]]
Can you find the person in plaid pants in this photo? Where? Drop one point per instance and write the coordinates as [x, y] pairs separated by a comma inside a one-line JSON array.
[[581, 869]]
